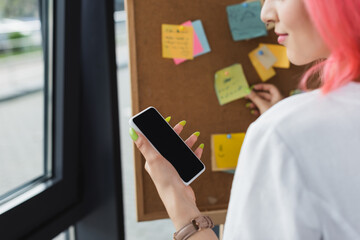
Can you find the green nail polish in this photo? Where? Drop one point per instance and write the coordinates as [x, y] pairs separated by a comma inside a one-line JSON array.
[[197, 134], [252, 112], [168, 119], [133, 134], [201, 146], [182, 123], [248, 105]]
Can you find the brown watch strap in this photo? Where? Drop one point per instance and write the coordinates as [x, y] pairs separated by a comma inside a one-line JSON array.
[[193, 227]]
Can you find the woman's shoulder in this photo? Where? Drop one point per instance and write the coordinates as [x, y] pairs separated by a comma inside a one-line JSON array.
[[311, 109], [313, 116], [288, 112]]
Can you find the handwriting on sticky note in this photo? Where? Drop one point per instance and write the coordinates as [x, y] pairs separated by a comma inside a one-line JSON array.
[[231, 84], [177, 41], [265, 56], [225, 150], [244, 21], [197, 48], [264, 74], [280, 54]]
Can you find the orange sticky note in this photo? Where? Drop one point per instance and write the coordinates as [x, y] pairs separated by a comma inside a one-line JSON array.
[[266, 57], [264, 74], [177, 41], [280, 53]]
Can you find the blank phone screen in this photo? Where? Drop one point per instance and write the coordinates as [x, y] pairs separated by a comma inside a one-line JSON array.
[[168, 143]]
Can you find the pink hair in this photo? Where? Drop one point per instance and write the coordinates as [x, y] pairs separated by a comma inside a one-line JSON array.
[[338, 22]]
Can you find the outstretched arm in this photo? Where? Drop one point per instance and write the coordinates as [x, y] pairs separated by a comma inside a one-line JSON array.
[[179, 199]]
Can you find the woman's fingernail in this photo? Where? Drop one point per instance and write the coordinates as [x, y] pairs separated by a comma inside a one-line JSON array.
[[182, 123], [133, 134], [168, 119], [197, 134], [248, 105], [201, 146], [252, 112]]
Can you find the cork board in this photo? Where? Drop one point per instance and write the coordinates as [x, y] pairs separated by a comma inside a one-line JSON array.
[[186, 92]]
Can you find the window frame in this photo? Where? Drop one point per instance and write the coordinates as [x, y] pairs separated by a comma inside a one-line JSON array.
[[62, 190], [86, 187]]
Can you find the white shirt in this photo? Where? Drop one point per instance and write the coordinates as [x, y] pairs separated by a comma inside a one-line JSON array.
[[298, 174]]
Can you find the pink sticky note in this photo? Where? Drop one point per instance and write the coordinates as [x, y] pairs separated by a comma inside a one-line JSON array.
[[197, 45]]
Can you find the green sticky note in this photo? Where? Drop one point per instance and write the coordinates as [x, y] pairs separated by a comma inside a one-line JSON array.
[[231, 84]]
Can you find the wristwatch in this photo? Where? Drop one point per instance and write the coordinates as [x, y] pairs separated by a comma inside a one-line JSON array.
[[193, 227]]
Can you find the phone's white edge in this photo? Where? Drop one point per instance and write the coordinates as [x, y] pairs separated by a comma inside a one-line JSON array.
[[197, 175], [133, 125]]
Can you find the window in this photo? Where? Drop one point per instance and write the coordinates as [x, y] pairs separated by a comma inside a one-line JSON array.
[[38, 160], [78, 179], [25, 96]]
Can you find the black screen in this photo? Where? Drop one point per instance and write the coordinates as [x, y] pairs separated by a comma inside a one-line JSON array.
[[168, 143]]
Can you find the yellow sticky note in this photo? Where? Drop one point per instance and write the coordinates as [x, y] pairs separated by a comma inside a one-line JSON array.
[[279, 52], [231, 84], [266, 57], [264, 74], [225, 150], [177, 41]]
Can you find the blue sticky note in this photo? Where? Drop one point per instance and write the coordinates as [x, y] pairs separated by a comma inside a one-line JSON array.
[[199, 29], [244, 21]]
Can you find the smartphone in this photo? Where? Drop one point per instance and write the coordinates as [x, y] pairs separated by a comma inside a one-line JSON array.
[[168, 143]]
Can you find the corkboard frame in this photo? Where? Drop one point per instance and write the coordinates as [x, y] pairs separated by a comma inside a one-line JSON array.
[[189, 99]]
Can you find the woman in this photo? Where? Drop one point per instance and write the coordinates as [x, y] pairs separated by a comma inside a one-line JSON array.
[[298, 171]]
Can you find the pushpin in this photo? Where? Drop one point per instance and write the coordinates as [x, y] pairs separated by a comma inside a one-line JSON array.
[[226, 73], [245, 5], [229, 136], [181, 28], [261, 52]]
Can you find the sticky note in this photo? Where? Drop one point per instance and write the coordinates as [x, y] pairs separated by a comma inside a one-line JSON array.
[[197, 47], [265, 57], [264, 74], [177, 41], [231, 84], [279, 52], [225, 151], [244, 21], [199, 29]]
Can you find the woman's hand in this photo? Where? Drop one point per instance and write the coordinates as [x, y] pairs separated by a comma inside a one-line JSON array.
[[263, 97], [179, 199]]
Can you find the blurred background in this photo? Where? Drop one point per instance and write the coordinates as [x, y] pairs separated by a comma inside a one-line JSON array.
[[24, 104]]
